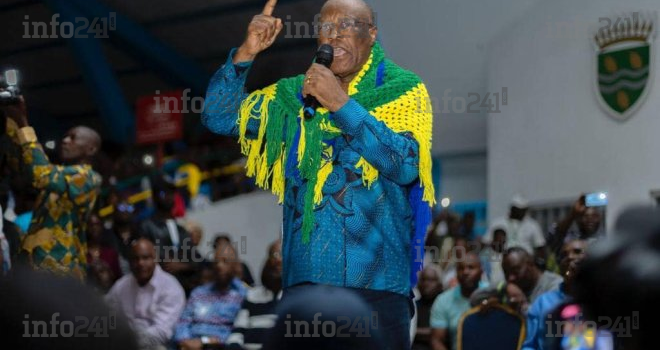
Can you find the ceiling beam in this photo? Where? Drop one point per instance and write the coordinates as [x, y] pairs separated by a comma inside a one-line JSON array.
[[210, 12], [78, 79], [18, 5]]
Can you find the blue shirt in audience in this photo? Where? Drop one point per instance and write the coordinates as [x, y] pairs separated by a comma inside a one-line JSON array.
[[210, 312], [536, 316]]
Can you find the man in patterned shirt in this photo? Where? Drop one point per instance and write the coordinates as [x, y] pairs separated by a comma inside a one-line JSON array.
[[56, 239], [208, 318], [345, 224]]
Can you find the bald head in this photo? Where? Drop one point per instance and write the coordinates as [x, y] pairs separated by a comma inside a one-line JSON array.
[[519, 268], [143, 260], [358, 7], [80, 144]]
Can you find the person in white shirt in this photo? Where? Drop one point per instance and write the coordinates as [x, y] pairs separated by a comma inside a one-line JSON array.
[[151, 299], [521, 230]]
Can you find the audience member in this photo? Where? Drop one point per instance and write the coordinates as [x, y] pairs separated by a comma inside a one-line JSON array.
[[582, 222], [521, 230], [122, 232], [258, 313], [451, 304], [467, 225], [450, 259], [56, 237], [572, 253], [444, 228], [10, 234], [429, 287], [491, 257], [243, 271], [620, 280], [520, 269], [149, 297], [99, 253], [516, 298], [504, 293], [173, 241], [209, 315], [196, 233]]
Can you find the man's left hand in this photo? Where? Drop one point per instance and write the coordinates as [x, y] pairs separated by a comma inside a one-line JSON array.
[[321, 83]]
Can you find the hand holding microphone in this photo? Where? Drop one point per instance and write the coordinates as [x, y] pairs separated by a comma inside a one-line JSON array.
[[324, 57], [321, 87]]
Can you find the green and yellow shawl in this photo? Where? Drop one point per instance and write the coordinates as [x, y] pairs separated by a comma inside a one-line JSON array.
[[391, 94]]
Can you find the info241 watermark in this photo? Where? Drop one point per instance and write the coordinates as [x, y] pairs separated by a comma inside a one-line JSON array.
[[343, 327], [82, 28], [621, 326], [82, 327]]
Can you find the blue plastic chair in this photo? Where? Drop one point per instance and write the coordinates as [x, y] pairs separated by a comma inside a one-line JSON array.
[[497, 328]]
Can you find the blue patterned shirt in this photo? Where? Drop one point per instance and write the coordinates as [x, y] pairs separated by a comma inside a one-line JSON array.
[[362, 236], [537, 325], [210, 312]]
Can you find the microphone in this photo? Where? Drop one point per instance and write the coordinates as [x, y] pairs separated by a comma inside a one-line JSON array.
[[324, 56]]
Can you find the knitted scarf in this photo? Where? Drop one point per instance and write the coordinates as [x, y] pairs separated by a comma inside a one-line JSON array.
[[288, 145]]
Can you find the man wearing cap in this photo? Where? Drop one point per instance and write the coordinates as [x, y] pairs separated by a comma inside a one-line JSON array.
[[521, 230]]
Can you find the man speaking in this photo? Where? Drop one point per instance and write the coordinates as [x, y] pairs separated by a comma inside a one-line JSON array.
[[354, 178]]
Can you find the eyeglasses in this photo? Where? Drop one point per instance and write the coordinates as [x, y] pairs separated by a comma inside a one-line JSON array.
[[327, 28]]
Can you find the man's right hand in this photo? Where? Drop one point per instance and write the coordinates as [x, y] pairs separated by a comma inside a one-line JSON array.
[[261, 34], [16, 111], [579, 206]]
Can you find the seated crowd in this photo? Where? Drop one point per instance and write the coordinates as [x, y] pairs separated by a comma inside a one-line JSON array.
[[152, 272]]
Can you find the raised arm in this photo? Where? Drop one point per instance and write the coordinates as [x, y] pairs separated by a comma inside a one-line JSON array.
[[226, 88], [77, 180]]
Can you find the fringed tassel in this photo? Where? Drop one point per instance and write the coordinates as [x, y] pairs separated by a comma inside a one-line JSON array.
[[256, 106], [278, 177], [310, 147], [425, 174], [322, 175], [369, 173], [247, 112], [302, 139]]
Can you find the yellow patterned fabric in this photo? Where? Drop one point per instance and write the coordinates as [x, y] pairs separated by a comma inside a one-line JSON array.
[[56, 240], [401, 102]]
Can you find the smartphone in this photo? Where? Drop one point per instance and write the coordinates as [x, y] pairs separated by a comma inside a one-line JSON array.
[[596, 199], [11, 77]]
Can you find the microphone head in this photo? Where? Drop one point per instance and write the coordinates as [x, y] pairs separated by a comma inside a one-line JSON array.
[[325, 55]]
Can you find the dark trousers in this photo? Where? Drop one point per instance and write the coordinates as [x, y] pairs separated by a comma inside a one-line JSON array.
[[389, 318]]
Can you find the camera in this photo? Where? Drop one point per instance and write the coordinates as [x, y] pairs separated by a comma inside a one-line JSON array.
[[9, 83]]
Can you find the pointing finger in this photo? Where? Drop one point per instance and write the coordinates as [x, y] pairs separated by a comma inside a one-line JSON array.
[[270, 6]]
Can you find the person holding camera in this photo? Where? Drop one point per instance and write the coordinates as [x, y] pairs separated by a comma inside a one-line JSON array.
[[55, 240]]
